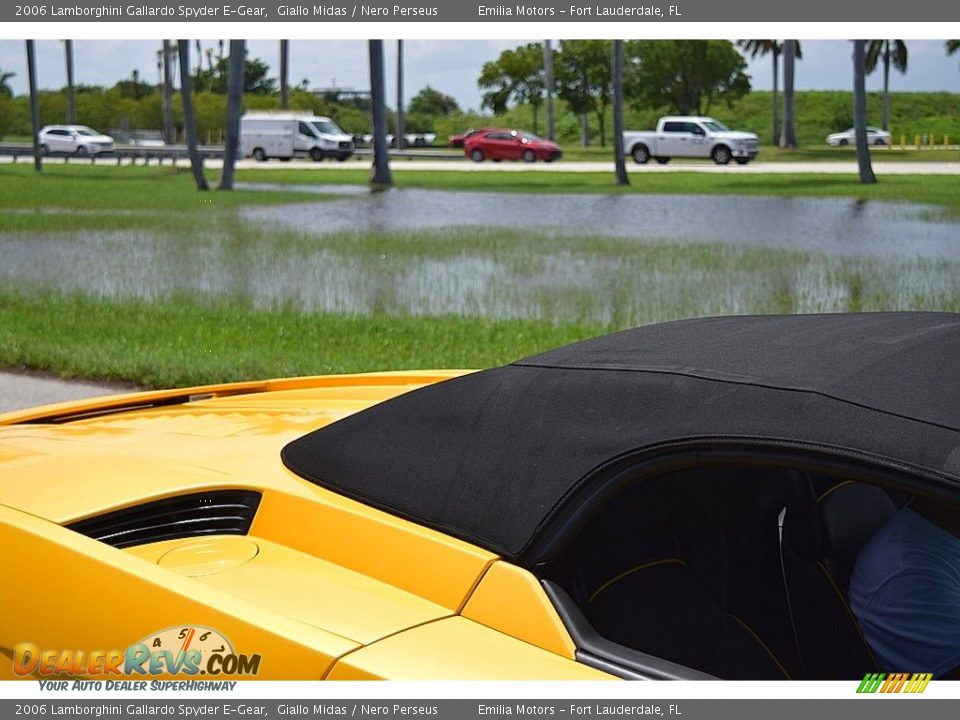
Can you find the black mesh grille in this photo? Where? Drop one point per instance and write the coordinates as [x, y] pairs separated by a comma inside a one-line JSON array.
[[222, 512]]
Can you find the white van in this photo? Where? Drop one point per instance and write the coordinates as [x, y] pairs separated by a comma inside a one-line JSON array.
[[287, 135]]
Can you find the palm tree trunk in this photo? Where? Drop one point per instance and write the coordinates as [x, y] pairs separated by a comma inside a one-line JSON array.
[[238, 52], [284, 73], [400, 131], [776, 103], [886, 84], [619, 156], [788, 137], [71, 107], [167, 96], [860, 113], [548, 82], [189, 126], [34, 105], [380, 171]]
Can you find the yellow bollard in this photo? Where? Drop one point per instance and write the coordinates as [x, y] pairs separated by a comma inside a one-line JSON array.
[[916, 140], [946, 142], [903, 141]]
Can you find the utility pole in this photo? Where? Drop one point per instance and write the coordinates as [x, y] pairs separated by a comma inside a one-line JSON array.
[[167, 95]]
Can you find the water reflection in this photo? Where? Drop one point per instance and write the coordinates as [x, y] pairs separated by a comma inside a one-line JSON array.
[[844, 226], [620, 260]]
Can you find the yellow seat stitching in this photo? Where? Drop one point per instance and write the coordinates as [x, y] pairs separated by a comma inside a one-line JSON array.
[[645, 566], [763, 645]]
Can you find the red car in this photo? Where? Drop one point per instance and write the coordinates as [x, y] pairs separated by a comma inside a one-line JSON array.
[[498, 144], [457, 141]]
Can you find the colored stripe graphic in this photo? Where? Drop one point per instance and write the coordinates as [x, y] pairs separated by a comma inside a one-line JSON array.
[[894, 683]]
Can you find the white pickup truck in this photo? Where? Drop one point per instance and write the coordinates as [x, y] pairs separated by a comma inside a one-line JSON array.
[[690, 136]]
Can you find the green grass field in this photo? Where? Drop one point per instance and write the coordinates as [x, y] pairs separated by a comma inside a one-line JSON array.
[[525, 306]]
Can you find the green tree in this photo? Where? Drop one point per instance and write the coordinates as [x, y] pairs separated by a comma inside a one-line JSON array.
[[619, 157], [860, 113], [5, 88], [518, 76], [231, 144], [189, 123], [432, 102], [891, 52], [380, 176], [687, 75], [760, 48], [584, 74], [952, 46], [788, 134], [255, 80], [134, 87]]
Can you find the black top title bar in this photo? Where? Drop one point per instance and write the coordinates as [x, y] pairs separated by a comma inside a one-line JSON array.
[[577, 11]]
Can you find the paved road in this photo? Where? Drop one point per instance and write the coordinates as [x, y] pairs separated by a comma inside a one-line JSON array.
[[399, 165], [25, 390]]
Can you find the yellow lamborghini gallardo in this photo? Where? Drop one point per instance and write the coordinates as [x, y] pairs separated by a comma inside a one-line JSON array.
[[684, 500]]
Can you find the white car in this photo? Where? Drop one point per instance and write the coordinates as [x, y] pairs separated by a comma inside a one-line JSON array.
[[875, 136], [147, 138], [78, 139]]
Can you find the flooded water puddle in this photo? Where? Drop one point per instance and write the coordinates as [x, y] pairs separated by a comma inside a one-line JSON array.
[[836, 226], [619, 260]]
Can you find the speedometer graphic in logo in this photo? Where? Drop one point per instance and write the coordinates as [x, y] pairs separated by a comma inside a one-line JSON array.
[[185, 638]]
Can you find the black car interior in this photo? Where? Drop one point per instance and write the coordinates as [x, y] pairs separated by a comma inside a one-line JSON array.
[[739, 572]]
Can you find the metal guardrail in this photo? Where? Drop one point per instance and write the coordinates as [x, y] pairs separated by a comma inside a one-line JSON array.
[[124, 152], [173, 153]]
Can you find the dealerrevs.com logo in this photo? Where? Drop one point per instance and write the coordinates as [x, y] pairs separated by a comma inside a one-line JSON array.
[[189, 650], [894, 682]]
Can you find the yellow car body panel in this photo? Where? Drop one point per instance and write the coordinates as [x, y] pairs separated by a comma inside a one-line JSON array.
[[67, 592], [458, 649], [511, 600], [321, 585]]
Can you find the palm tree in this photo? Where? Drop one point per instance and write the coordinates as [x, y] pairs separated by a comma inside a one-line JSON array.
[[620, 161], [860, 112], [167, 95], [761, 48], [189, 125], [788, 136], [284, 73], [399, 135], [5, 88], [891, 52], [71, 112], [952, 46], [238, 52], [380, 171], [548, 84], [34, 104]]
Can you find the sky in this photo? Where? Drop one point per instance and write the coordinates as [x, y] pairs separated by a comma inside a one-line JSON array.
[[449, 66]]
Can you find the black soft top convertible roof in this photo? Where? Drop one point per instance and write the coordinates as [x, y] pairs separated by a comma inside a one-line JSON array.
[[488, 457]]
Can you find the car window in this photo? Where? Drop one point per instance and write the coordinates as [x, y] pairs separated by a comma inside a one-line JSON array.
[[85, 131], [732, 571], [695, 129], [305, 129], [328, 126], [715, 126], [674, 127]]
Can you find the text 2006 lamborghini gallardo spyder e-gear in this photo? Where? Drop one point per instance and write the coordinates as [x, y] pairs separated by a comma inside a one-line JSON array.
[[684, 500]]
